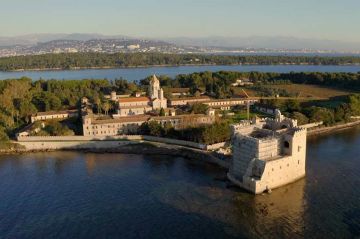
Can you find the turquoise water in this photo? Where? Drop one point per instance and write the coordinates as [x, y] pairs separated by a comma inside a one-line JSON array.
[[140, 73], [86, 195]]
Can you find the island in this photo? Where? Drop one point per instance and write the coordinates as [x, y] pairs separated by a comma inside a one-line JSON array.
[[202, 116]]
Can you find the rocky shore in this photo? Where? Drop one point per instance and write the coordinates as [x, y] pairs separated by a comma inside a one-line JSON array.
[[156, 148], [146, 148]]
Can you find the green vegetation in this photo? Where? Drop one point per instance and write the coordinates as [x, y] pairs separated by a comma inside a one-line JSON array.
[[20, 98], [206, 134], [54, 128], [218, 84], [199, 108], [309, 91], [310, 112], [88, 60], [330, 97]]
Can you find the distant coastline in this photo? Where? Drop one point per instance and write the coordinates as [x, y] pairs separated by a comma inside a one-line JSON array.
[[76, 61], [110, 67], [170, 65]]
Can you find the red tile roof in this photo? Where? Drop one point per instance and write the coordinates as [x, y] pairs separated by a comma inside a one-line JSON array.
[[134, 99]]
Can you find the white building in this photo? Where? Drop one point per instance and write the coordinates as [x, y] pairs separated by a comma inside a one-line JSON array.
[[155, 101], [54, 115], [226, 104], [268, 154], [93, 126], [156, 94]]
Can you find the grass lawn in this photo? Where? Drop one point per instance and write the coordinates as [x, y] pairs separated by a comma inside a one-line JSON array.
[[238, 91], [242, 115], [315, 91]]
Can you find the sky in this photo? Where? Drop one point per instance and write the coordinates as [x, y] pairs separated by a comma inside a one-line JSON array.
[[314, 19]]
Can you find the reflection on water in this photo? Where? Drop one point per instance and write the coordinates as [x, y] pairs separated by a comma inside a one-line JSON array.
[[85, 195]]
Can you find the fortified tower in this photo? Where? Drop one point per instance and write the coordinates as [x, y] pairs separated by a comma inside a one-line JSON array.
[[267, 154]]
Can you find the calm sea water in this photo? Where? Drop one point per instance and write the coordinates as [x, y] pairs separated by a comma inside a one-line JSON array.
[[85, 195], [140, 73]]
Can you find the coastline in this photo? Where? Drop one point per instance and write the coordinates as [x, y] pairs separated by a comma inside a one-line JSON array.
[[332, 129], [167, 65], [145, 148], [158, 148]]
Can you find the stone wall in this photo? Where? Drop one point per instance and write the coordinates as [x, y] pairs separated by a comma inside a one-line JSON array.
[[57, 145], [78, 138], [60, 142]]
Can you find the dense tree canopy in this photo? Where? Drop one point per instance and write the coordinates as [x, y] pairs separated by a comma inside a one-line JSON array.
[[89, 60], [20, 98]]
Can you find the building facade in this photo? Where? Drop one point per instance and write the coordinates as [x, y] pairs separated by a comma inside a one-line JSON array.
[[93, 126], [130, 106], [188, 100], [226, 104], [54, 115]]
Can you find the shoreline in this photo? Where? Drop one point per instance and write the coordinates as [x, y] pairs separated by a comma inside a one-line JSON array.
[[170, 65], [157, 148], [332, 129], [144, 148]]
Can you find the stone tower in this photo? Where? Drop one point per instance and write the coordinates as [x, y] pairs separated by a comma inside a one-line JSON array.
[[154, 87], [156, 94], [267, 154]]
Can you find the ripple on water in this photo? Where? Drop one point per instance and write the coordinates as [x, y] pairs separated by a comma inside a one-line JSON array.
[[82, 195]]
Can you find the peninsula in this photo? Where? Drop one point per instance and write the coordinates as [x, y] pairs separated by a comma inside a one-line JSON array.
[[88, 60]]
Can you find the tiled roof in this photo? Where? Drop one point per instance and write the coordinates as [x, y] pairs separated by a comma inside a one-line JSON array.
[[124, 119], [143, 118], [136, 107], [227, 100], [133, 99], [55, 112], [179, 90], [191, 98]]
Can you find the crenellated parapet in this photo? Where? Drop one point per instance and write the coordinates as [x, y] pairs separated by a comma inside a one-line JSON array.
[[267, 154]]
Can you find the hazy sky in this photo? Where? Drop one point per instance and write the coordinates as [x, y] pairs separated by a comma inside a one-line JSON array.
[[322, 19]]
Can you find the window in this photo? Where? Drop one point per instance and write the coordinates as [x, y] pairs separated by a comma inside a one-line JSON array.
[[286, 144]]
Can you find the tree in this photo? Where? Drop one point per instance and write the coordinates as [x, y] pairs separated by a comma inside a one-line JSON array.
[[162, 112], [322, 114], [292, 105], [106, 107], [301, 118], [26, 109], [199, 108], [151, 128], [342, 113], [3, 135], [354, 102], [55, 128], [97, 101]]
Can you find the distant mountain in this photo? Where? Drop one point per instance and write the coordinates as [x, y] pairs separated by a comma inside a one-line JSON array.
[[267, 42], [33, 39], [47, 43], [70, 45]]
